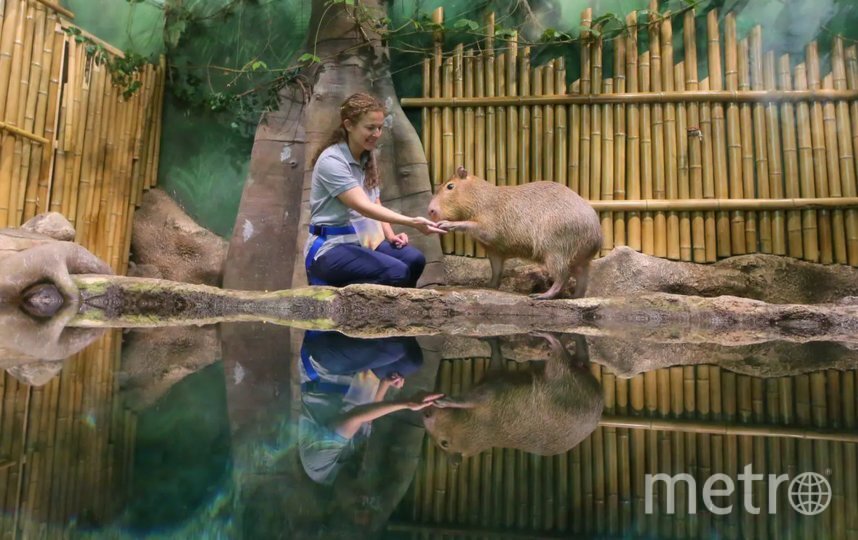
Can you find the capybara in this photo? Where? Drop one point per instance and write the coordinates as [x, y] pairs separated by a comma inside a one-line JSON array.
[[542, 221], [543, 413]]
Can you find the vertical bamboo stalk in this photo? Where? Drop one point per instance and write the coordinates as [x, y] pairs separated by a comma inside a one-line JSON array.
[[658, 127], [760, 140], [524, 118], [734, 139], [671, 156], [807, 187], [574, 151], [9, 114], [702, 251], [425, 118], [450, 242], [776, 174], [821, 171], [512, 115], [607, 188], [633, 157], [491, 91], [584, 155], [470, 129], [838, 232], [44, 41], [719, 162], [795, 231], [548, 157], [847, 79], [500, 118], [747, 132], [458, 134], [620, 142], [596, 120], [52, 127], [683, 185], [560, 127], [537, 131], [646, 164], [436, 155]]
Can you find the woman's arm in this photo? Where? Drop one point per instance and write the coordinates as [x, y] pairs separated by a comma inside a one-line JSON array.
[[356, 199], [348, 424]]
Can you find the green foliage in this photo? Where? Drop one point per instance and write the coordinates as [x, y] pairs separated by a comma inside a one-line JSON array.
[[122, 69]]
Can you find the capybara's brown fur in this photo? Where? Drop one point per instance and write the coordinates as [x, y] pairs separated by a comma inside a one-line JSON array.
[[542, 221], [543, 413]]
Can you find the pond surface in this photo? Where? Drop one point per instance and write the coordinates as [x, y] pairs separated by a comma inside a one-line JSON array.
[[232, 432]]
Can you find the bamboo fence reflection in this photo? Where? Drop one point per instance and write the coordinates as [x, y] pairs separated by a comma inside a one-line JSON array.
[[756, 157], [697, 420], [69, 143]]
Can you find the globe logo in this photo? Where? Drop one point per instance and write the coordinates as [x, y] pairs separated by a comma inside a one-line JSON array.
[[809, 493]]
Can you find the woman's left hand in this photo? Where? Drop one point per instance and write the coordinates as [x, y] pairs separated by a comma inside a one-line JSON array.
[[398, 240]]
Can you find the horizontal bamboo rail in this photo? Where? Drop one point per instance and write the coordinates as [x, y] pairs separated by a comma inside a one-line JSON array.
[[722, 204], [107, 46], [58, 8], [699, 96], [23, 133], [726, 428]]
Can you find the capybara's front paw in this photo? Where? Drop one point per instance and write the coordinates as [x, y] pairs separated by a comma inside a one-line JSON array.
[[448, 225]]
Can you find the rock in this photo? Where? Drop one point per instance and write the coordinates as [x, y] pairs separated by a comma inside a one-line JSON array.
[[52, 224], [167, 239], [36, 373]]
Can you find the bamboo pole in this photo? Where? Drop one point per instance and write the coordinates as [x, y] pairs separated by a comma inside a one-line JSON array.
[[470, 129], [646, 163], [747, 133], [537, 131], [512, 113], [574, 151], [425, 119], [838, 224], [58, 8], [25, 115], [683, 190], [491, 91], [585, 90], [52, 127], [480, 130], [659, 160], [560, 125], [524, 118], [719, 149], [633, 157], [700, 252], [500, 119], [547, 150], [449, 242], [671, 148], [790, 152], [608, 177], [595, 120], [807, 185], [826, 169], [620, 144], [735, 181], [764, 225], [458, 134], [435, 154], [44, 40], [773, 149], [842, 79], [9, 113]]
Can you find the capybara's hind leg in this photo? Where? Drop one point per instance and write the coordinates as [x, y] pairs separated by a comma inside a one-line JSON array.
[[560, 273], [496, 261], [582, 276]]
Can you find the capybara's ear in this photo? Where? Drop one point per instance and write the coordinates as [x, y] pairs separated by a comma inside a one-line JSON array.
[[461, 172]]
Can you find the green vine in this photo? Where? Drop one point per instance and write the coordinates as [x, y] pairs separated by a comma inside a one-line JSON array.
[[122, 69]]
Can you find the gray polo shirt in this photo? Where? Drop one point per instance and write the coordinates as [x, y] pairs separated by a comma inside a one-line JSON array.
[[336, 171]]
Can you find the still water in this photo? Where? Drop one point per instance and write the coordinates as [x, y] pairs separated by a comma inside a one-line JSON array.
[[258, 431]]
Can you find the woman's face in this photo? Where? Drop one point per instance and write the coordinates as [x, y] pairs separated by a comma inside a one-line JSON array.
[[366, 131]]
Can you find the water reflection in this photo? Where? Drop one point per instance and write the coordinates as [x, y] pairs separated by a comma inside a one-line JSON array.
[[552, 445]]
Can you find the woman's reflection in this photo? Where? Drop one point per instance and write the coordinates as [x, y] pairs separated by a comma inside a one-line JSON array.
[[344, 385]]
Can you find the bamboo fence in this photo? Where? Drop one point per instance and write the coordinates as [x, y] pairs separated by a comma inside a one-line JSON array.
[[758, 156], [69, 143], [697, 420]]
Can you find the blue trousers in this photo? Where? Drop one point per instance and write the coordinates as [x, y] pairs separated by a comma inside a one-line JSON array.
[[350, 263]]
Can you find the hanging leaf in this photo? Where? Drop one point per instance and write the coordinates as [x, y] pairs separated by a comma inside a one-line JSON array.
[[309, 58], [466, 24]]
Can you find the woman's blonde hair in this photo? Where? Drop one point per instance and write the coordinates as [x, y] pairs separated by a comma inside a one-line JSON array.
[[353, 109]]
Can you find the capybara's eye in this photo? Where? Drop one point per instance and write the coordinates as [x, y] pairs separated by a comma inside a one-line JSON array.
[[450, 185], [445, 444]]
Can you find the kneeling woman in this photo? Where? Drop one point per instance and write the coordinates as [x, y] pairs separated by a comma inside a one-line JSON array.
[[345, 187]]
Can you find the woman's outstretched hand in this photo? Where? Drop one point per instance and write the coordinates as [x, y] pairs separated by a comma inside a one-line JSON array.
[[426, 226]]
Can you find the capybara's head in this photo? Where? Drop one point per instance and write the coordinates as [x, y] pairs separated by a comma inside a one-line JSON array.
[[455, 430], [455, 200]]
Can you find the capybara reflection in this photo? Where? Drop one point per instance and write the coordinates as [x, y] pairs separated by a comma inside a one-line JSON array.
[[542, 221], [543, 413]]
